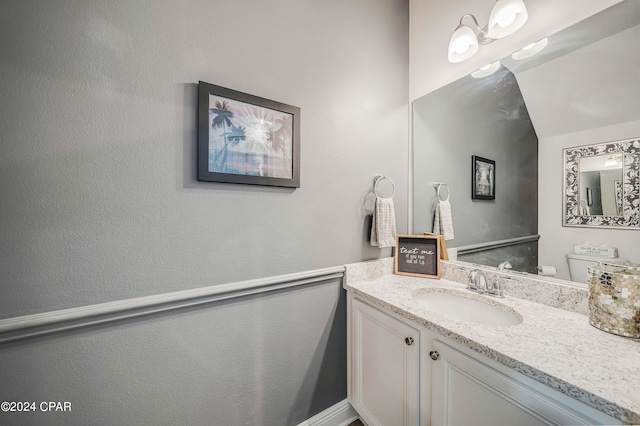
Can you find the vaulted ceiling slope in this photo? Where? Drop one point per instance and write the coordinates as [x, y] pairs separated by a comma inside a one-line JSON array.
[[592, 87]]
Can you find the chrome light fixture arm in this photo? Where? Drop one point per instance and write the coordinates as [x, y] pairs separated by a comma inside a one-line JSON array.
[[483, 36]]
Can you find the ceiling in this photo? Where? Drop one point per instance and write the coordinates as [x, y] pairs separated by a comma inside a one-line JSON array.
[[593, 87]]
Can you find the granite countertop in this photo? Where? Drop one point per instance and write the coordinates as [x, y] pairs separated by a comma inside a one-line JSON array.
[[554, 346]]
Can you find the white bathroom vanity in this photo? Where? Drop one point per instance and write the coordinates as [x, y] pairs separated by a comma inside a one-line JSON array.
[[411, 364]]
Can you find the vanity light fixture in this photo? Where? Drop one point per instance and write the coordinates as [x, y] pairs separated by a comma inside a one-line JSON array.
[[507, 17], [486, 70], [531, 49]]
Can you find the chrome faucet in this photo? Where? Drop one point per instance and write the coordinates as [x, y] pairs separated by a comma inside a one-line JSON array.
[[478, 283]]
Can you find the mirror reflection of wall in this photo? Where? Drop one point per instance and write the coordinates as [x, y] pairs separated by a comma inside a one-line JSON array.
[[487, 118], [601, 185], [582, 89]]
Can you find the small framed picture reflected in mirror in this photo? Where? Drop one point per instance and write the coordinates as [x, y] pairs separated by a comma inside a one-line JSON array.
[[483, 178]]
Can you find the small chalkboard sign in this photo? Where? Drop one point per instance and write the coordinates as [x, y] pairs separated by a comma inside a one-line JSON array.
[[418, 256]]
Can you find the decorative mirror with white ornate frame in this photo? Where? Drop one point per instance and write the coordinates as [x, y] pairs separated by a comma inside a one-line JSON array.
[[602, 185]]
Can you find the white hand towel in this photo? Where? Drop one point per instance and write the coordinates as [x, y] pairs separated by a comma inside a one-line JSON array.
[[383, 226], [443, 223]]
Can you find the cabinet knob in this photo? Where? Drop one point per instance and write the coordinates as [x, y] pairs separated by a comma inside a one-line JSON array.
[[408, 340], [434, 355]]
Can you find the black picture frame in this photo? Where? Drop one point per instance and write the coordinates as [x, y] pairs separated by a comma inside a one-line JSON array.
[[483, 178], [247, 139]]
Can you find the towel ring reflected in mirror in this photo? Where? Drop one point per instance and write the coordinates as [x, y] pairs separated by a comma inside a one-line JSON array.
[[438, 186], [379, 178]]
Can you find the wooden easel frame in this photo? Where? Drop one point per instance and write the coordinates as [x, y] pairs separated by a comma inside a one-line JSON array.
[[443, 245]]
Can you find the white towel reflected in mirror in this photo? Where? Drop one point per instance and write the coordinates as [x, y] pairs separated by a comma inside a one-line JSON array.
[[443, 222]]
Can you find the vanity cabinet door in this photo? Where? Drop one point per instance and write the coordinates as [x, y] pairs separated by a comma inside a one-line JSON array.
[[466, 391], [384, 359]]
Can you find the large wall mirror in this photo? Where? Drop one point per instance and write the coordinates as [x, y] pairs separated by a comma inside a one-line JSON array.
[[575, 96]]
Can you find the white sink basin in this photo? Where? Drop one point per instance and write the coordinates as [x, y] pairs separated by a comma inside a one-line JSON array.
[[471, 307]]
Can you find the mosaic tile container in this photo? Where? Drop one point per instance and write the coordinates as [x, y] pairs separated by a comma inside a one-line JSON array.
[[614, 298]]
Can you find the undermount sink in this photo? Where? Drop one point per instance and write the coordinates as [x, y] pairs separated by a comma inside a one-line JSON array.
[[468, 308]]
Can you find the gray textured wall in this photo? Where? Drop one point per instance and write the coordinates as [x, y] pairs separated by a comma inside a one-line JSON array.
[[99, 200], [270, 360], [485, 117]]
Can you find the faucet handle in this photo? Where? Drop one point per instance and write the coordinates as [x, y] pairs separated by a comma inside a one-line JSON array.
[[504, 265], [472, 279], [496, 289], [477, 281]]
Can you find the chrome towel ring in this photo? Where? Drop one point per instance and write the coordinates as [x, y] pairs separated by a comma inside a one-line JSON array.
[[377, 179], [438, 186]]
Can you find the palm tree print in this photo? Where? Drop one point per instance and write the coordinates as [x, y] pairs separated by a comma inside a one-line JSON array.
[[233, 137], [248, 139], [222, 119], [224, 115]]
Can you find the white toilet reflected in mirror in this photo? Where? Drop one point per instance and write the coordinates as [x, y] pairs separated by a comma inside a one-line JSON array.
[[579, 263]]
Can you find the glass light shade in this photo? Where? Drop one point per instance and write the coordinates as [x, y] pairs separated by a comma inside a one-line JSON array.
[[507, 17], [530, 50], [611, 162], [486, 70], [463, 44]]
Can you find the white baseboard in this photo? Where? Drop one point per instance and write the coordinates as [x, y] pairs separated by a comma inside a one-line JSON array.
[[340, 414]]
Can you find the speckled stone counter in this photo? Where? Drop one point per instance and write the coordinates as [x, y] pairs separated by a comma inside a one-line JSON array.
[[555, 346]]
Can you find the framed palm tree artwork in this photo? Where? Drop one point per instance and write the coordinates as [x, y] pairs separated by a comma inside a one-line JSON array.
[[246, 139]]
